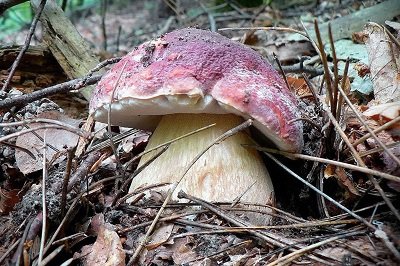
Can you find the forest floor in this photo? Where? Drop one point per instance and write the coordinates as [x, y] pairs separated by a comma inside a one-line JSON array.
[[345, 212]]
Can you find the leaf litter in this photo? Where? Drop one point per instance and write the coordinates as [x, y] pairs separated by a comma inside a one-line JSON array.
[[99, 231]]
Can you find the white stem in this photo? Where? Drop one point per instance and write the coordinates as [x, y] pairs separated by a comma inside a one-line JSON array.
[[223, 173]]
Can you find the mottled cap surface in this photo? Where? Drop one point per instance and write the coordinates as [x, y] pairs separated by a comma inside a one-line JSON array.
[[198, 71]]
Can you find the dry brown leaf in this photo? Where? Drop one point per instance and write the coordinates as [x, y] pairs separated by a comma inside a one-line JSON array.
[[160, 236], [107, 250], [300, 86], [383, 57], [8, 198], [384, 113], [182, 253], [58, 138], [340, 174]]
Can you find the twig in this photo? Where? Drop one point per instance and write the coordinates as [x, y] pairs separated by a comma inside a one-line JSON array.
[[112, 144], [51, 256], [5, 143], [82, 170], [37, 95], [26, 131], [164, 219], [224, 136], [44, 207], [282, 72], [124, 187], [378, 149], [298, 253], [210, 16], [343, 85], [335, 72], [376, 131], [327, 161], [66, 177], [268, 227], [103, 11], [61, 225], [5, 255], [18, 253], [25, 46], [268, 28]]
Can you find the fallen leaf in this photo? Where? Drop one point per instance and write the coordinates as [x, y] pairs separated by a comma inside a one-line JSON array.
[[57, 138], [160, 236], [8, 198], [384, 113], [340, 174], [107, 250], [383, 56]]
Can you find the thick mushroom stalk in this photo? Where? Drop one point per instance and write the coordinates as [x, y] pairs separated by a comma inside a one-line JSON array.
[[223, 173], [190, 78]]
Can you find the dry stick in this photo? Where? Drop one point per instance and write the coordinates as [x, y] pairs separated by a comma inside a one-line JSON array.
[[246, 228], [83, 170], [34, 132], [67, 174], [51, 256], [112, 144], [343, 85], [319, 47], [26, 131], [164, 219], [269, 238], [210, 16], [221, 138], [376, 131], [268, 28], [36, 95], [125, 185], [50, 242], [44, 208], [369, 225], [383, 236], [76, 235], [116, 139], [26, 45], [327, 161], [139, 192], [19, 148], [5, 255], [39, 120], [282, 72], [335, 72], [219, 255], [378, 149], [103, 11], [15, 260], [298, 253]]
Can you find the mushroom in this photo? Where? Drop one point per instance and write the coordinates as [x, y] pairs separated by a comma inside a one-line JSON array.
[[190, 78]]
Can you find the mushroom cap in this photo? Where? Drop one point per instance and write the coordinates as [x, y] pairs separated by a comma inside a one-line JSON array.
[[198, 71]]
